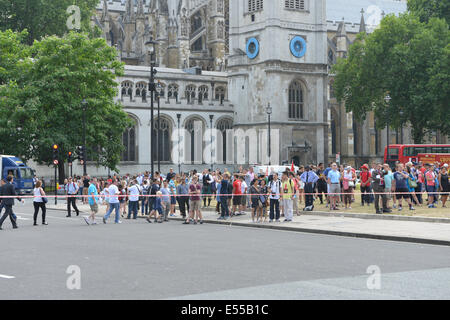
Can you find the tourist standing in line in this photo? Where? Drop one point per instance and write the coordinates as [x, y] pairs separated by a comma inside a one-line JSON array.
[[287, 191], [194, 204], [274, 189], [183, 198], [133, 193], [224, 195], [334, 181]]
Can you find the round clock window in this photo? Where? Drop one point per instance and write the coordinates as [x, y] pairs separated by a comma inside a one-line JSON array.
[[252, 48], [298, 47]]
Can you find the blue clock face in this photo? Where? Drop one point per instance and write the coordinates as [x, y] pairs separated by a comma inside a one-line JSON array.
[[298, 47], [252, 48]]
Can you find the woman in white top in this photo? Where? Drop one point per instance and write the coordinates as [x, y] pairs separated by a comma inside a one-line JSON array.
[[38, 202]]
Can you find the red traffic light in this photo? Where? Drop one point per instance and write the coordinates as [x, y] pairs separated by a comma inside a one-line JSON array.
[[70, 154], [55, 147]]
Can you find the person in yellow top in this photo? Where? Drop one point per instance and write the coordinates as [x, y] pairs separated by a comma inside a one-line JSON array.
[[287, 192]]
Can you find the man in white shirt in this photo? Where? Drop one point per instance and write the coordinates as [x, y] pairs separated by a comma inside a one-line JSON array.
[[113, 202], [275, 188], [244, 188], [133, 192]]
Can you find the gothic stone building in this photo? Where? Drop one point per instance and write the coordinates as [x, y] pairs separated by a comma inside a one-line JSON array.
[[221, 63]]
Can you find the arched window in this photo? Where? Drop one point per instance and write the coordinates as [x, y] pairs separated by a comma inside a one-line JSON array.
[[220, 94], [127, 89], [172, 91], [140, 90], [190, 93], [162, 90], [130, 143], [223, 125], [163, 137], [296, 101], [202, 94], [194, 141]]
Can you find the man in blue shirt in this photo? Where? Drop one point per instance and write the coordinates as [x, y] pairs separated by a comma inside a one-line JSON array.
[[72, 190], [93, 200], [334, 183], [309, 178]]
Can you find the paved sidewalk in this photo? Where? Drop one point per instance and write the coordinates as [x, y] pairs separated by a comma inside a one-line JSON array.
[[377, 227]]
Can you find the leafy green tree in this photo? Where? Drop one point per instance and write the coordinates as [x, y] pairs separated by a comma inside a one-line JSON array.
[[43, 17], [47, 104], [427, 9], [407, 59]]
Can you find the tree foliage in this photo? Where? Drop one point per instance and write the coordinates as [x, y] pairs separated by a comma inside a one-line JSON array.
[[407, 59], [42, 17], [45, 106], [427, 9]]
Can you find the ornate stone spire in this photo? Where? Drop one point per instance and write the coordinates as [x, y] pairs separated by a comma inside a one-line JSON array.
[[362, 24]]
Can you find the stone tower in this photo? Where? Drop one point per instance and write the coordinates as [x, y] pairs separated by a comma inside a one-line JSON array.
[[278, 56], [216, 33]]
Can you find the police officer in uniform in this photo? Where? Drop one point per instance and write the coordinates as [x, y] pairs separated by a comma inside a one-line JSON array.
[[8, 202]]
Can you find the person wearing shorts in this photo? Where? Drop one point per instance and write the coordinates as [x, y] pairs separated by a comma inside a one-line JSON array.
[[400, 185], [334, 178], [195, 190], [237, 193]]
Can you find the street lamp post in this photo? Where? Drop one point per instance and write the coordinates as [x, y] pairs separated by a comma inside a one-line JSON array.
[[179, 154], [84, 103], [158, 90], [269, 112], [211, 117], [151, 46], [388, 99]]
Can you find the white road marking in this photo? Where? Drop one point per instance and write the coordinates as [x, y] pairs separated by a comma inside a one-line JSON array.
[[6, 277], [20, 218]]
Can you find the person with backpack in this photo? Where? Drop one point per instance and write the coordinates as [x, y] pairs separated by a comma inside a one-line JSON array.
[[274, 189], [287, 191]]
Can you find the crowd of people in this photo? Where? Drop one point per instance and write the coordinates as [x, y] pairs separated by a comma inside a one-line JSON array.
[[267, 196]]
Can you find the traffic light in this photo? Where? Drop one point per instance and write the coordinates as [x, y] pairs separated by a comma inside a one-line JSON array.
[[80, 153], [69, 158], [55, 154]]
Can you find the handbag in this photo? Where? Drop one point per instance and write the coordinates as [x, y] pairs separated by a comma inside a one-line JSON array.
[[351, 184], [412, 183], [44, 199]]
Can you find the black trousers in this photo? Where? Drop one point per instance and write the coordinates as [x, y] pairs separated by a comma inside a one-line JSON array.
[[183, 203], [274, 209], [377, 200], [365, 194], [71, 202], [37, 206], [309, 197], [8, 213]]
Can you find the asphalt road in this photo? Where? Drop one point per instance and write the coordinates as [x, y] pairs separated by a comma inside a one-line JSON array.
[[137, 260]]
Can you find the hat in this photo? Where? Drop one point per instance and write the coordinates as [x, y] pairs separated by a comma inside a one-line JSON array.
[[348, 168], [365, 167], [446, 165]]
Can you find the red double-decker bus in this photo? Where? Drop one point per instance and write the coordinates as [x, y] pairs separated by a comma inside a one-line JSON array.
[[410, 152]]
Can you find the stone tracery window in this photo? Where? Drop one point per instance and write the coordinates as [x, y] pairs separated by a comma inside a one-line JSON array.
[[172, 91], [296, 101], [202, 94], [164, 144], [190, 93], [127, 89], [220, 94], [129, 141]]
